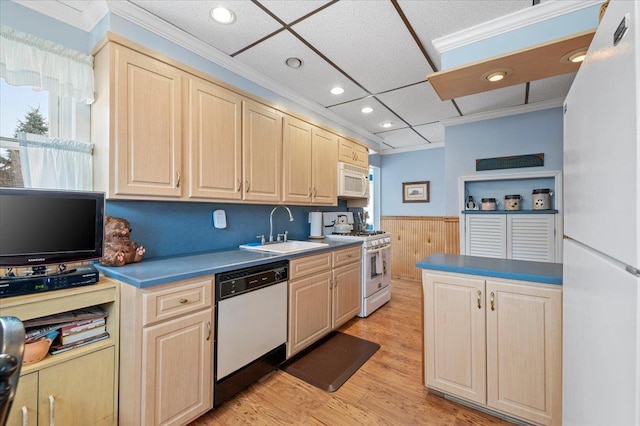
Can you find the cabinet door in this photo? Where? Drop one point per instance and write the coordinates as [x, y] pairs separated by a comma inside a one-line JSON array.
[[309, 311], [79, 391], [486, 235], [24, 410], [346, 293], [261, 152], [325, 167], [297, 161], [214, 141], [177, 377], [524, 351], [148, 126], [361, 155], [531, 237], [455, 341]]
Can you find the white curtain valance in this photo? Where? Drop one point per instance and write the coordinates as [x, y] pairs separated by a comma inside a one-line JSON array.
[[26, 60]]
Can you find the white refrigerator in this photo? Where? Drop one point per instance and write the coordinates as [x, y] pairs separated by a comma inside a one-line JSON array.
[[601, 282]]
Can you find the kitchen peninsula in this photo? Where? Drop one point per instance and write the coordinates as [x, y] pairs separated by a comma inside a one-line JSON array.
[[493, 334]]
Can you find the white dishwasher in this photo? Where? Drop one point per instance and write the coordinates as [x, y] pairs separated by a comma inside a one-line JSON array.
[[251, 326]]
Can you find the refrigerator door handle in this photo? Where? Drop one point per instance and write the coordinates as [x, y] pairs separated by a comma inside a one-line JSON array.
[[633, 271]]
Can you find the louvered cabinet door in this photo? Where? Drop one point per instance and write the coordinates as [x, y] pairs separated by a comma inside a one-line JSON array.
[[486, 235], [531, 237]]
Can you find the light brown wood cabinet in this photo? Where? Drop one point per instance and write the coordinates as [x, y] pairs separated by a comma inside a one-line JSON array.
[[79, 386], [353, 153], [310, 164], [324, 293], [496, 343], [166, 371], [136, 124]]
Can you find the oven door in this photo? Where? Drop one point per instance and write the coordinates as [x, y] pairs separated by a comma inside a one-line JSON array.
[[377, 269]]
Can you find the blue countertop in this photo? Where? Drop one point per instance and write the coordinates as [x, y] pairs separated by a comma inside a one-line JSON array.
[[541, 272], [161, 270]]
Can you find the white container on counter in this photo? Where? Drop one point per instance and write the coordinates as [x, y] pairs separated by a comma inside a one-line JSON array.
[[512, 202], [541, 199], [489, 204]]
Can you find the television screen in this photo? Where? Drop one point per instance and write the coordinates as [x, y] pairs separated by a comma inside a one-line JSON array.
[[39, 227]]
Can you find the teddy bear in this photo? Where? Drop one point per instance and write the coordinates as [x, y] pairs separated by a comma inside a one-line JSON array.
[[118, 248]]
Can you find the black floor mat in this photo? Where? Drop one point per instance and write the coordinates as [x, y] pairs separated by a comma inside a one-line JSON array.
[[329, 364]]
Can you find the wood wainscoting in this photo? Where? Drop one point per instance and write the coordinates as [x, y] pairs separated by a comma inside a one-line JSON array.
[[416, 237]]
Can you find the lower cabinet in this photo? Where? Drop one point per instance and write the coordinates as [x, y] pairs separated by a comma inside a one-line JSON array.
[[324, 293], [495, 343], [166, 370]]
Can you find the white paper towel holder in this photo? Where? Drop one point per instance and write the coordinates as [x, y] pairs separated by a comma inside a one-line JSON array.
[[317, 225]]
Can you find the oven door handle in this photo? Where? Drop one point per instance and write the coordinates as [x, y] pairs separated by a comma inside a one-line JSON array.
[[379, 249]]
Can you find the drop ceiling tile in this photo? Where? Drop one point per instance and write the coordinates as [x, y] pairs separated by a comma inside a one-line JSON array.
[[494, 99], [437, 18], [192, 16], [314, 79], [369, 41], [290, 10], [433, 132], [418, 104], [402, 138], [373, 121], [550, 88]]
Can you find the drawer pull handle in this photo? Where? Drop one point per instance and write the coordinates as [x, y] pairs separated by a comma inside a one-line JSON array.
[[183, 301], [493, 304], [208, 330], [239, 185], [52, 406], [25, 416], [479, 298], [178, 183]]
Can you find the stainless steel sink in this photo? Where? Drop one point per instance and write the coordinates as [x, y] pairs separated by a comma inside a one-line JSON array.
[[285, 247]]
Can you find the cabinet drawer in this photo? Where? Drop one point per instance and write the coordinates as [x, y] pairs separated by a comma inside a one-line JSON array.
[[177, 298], [346, 256], [308, 265]]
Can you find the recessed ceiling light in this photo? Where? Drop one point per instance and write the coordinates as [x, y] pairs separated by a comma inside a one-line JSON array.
[[366, 110], [496, 76], [575, 56], [222, 15], [387, 124], [293, 62], [337, 91]]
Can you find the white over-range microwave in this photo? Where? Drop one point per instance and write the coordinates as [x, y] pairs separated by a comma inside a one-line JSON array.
[[353, 181]]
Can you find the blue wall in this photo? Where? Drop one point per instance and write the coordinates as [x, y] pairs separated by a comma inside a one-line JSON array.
[[530, 133], [170, 228], [414, 166]]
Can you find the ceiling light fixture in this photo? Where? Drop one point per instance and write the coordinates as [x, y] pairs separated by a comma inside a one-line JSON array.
[[496, 76], [366, 110], [337, 90], [387, 124], [222, 15], [293, 62]]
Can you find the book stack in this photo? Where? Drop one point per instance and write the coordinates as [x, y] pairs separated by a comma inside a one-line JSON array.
[[75, 328]]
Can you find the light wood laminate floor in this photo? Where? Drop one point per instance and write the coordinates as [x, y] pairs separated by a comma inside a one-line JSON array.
[[386, 390]]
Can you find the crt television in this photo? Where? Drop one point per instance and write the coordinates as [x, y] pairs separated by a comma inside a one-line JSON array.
[[40, 227]]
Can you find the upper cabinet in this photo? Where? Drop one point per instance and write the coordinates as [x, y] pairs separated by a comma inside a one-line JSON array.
[[165, 131], [310, 163], [214, 141], [136, 124], [261, 152], [353, 153]]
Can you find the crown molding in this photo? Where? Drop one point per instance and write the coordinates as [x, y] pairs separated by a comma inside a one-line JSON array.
[[504, 112], [84, 19], [140, 17], [513, 21]]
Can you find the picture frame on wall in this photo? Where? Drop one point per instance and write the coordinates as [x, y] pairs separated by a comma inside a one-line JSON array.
[[415, 192]]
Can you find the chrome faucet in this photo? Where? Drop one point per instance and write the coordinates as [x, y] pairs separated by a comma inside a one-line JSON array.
[[271, 221]]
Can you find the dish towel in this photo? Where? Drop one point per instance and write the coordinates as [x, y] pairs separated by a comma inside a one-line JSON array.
[[378, 264]]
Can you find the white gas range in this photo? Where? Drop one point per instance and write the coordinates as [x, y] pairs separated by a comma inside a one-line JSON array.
[[376, 258]]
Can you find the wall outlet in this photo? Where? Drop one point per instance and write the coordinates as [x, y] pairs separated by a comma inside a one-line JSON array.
[[219, 219]]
